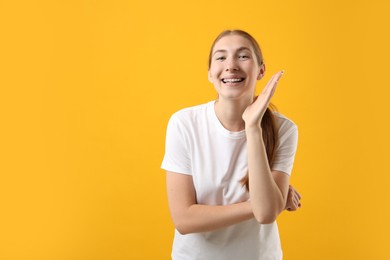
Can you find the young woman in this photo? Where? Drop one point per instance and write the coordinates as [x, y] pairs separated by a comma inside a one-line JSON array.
[[229, 161]]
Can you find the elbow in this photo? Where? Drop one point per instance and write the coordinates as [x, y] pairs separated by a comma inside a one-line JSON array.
[[266, 215], [262, 218], [183, 228], [266, 220], [184, 223]]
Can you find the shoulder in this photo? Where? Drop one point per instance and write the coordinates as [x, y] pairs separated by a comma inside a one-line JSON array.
[[191, 114], [284, 124]]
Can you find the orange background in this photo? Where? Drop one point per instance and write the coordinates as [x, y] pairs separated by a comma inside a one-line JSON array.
[[87, 88]]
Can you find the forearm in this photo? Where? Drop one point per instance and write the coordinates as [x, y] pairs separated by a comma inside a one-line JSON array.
[[266, 198], [204, 218]]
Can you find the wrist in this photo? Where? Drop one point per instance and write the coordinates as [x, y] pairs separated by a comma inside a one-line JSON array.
[[253, 129]]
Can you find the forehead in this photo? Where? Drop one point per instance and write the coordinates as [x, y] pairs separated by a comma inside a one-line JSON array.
[[232, 42]]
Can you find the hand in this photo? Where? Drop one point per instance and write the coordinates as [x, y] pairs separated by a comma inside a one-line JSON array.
[[293, 199], [253, 114]]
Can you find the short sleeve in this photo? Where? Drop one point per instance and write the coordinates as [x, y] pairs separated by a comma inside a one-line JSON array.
[[286, 149], [177, 152]]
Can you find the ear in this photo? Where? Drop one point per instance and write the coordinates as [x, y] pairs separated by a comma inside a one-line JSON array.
[[261, 71], [209, 76]]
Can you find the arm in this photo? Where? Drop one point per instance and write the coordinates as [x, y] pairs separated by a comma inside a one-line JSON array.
[[268, 189], [190, 217]]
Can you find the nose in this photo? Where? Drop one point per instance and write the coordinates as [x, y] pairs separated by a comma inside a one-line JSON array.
[[231, 65]]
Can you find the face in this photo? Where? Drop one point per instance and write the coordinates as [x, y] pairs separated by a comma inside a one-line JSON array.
[[234, 69]]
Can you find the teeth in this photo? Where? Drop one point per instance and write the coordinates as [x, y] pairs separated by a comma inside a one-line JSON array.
[[232, 80]]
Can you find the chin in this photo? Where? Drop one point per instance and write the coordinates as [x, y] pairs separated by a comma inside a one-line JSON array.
[[238, 93]]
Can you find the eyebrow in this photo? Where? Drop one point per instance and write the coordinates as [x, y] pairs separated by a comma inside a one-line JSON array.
[[238, 50]]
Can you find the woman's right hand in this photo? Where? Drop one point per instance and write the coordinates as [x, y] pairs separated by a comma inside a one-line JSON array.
[[293, 199]]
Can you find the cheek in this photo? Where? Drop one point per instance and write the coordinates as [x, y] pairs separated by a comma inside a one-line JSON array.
[[253, 70], [214, 71]]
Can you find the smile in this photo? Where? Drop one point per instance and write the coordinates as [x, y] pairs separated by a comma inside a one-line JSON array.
[[235, 80]]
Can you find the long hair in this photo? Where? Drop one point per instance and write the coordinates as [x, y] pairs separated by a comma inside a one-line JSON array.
[[270, 136]]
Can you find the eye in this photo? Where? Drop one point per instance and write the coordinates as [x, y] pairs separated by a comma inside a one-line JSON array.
[[220, 58], [243, 57]]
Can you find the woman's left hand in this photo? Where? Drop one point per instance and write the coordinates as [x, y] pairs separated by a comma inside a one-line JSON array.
[[253, 114]]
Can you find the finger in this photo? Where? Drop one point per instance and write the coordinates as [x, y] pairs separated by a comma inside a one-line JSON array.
[[296, 196], [297, 193], [297, 202], [280, 74], [290, 202], [292, 208], [271, 83], [268, 92], [274, 82], [277, 76], [295, 206]]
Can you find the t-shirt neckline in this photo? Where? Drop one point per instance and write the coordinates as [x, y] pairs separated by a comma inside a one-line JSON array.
[[220, 127]]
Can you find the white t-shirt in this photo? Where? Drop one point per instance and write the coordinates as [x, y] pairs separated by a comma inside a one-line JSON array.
[[197, 144]]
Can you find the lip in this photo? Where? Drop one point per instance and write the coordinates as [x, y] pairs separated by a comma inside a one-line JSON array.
[[232, 77]]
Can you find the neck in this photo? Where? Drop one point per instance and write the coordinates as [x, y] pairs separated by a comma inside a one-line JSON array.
[[229, 113]]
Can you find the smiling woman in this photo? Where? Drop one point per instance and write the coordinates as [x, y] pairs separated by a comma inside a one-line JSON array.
[[214, 149]]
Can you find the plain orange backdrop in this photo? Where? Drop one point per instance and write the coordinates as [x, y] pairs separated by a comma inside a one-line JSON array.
[[87, 88]]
